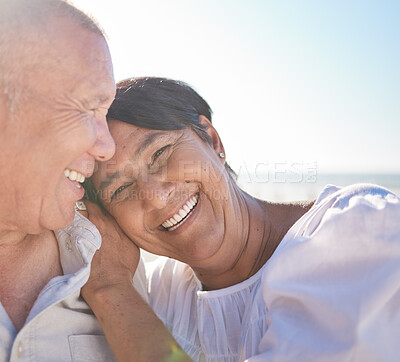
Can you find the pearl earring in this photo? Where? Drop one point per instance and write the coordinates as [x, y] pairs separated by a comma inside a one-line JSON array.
[[222, 155]]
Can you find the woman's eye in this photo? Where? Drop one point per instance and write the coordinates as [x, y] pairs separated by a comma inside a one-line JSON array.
[[157, 154], [118, 190]]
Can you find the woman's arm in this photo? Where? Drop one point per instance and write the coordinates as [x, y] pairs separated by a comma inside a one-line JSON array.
[[131, 327]]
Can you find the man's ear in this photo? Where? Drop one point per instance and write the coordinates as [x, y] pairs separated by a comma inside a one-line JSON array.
[[215, 139]]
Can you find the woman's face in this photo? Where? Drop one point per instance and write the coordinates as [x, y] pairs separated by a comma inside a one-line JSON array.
[[167, 190]]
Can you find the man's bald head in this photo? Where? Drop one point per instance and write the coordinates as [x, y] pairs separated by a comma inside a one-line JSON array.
[[22, 13], [24, 30], [56, 86]]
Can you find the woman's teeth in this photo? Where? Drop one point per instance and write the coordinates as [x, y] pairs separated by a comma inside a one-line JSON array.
[[175, 221], [74, 176]]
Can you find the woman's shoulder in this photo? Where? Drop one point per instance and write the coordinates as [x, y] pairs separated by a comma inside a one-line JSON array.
[[358, 206], [345, 224], [365, 206], [343, 195]]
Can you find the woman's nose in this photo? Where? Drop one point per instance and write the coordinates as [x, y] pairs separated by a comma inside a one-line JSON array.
[[155, 192]]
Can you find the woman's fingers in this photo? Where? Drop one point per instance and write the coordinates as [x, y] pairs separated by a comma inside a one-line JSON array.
[[117, 259]]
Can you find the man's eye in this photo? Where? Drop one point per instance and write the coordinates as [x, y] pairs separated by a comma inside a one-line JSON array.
[[118, 190], [157, 154]]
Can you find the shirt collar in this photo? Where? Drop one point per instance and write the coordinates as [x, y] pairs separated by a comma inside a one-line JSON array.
[[77, 243]]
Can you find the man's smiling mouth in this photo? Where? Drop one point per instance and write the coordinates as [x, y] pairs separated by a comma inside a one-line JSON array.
[[73, 175], [182, 215]]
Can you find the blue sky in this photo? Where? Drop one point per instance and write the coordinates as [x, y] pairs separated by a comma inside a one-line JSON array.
[[289, 81]]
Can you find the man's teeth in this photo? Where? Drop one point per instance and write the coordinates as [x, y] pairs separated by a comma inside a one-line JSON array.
[[74, 175], [182, 213]]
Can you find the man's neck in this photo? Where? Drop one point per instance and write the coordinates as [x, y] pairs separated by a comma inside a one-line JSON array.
[[28, 263]]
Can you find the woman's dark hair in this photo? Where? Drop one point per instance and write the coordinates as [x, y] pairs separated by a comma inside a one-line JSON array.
[[159, 104]]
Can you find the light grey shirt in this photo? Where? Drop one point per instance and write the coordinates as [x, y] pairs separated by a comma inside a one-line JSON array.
[[61, 326]]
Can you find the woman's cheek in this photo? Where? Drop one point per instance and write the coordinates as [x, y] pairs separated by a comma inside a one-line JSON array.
[[129, 223], [179, 169]]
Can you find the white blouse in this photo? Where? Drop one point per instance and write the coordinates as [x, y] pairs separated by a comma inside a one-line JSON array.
[[330, 292]]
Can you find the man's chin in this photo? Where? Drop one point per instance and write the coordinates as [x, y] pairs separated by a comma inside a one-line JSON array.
[[59, 220]]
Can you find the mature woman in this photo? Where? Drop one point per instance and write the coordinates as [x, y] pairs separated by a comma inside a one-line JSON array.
[[246, 278]]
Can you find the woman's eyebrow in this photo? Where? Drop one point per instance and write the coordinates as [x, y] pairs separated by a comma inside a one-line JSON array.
[[148, 141]]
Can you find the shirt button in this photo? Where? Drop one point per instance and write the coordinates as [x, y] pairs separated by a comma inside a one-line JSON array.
[[68, 246], [20, 349]]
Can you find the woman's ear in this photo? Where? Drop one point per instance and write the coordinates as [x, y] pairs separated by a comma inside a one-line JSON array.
[[216, 141]]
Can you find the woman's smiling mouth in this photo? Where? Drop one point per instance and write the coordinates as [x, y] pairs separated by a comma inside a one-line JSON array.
[[182, 215]]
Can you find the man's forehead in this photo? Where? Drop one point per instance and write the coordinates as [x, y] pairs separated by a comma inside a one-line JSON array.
[[66, 37], [78, 62]]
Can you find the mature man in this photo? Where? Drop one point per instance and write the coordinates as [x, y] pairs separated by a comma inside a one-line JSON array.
[[56, 84]]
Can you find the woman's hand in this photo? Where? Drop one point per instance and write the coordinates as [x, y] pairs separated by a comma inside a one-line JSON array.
[[132, 329], [116, 261]]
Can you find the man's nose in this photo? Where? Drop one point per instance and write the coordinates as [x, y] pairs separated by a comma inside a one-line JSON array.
[[104, 147]]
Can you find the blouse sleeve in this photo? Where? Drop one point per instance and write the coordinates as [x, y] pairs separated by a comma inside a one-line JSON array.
[[333, 291]]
